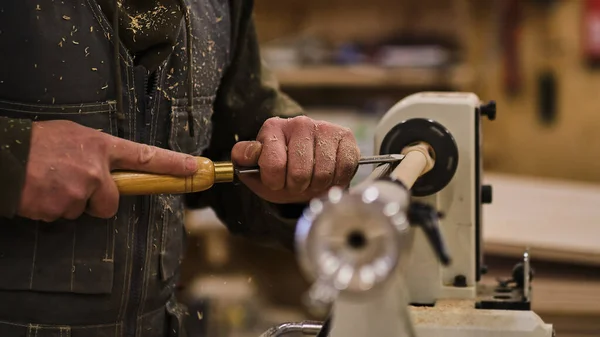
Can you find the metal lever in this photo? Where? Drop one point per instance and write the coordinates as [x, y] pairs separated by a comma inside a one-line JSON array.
[[427, 218]]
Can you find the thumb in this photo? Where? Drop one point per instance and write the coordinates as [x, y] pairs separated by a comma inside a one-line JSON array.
[[246, 153]]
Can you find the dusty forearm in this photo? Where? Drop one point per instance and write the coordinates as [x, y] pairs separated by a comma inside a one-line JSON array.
[[15, 135], [248, 96]]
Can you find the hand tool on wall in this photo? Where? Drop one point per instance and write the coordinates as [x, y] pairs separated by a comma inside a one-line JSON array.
[[510, 33], [590, 33], [547, 79], [208, 174]]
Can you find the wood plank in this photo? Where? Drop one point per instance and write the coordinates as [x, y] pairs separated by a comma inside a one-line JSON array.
[[558, 220]]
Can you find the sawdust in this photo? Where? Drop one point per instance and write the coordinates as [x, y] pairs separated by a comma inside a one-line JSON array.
[[301, 151], [146, 20], [454, 313], [348, 152], [326, 150]]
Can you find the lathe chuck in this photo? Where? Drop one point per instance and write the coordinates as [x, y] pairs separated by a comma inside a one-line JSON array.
[[442, 142]]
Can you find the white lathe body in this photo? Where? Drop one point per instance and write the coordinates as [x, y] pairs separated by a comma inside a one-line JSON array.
[[384, 260], [427, 280]]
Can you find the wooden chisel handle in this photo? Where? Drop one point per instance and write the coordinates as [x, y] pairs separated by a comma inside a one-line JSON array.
[[139, 183]]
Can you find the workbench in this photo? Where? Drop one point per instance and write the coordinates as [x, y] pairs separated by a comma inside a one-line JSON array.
[[558, 220]]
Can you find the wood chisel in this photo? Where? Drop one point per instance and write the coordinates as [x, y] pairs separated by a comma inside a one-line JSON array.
[[208, 174]]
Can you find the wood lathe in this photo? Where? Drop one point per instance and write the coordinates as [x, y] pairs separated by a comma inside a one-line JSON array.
[[400, 254]]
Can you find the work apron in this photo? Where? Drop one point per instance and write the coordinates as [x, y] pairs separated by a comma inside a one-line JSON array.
[[92, 277]]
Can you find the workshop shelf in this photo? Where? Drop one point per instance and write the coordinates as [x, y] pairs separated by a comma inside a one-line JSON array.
[[373, 77]]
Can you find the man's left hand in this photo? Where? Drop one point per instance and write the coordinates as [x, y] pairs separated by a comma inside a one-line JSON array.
[[299, 158]]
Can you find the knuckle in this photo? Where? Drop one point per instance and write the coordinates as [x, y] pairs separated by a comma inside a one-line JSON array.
[[299, 176], [323, 126], [146, 153], [76, 194], [346, 132], [94, 174], [272, 122], [302, 120], [101, 145]]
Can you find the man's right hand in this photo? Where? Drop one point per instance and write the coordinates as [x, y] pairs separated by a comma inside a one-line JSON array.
[[69, 170]]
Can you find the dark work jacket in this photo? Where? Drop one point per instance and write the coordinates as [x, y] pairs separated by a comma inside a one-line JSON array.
[[111, 278]]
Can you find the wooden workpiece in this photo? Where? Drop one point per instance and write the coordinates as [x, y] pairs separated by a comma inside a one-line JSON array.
[[417, 161]]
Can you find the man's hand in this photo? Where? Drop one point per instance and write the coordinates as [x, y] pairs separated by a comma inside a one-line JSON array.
[[68, 172], [299, 159]]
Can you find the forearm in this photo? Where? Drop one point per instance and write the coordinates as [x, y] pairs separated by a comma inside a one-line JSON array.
[[15, 135], [248, 96]]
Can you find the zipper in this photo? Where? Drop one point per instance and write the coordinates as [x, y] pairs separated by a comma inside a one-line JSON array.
[[147, 93]]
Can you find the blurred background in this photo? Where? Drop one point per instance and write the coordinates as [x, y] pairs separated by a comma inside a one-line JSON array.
[[349, 61]]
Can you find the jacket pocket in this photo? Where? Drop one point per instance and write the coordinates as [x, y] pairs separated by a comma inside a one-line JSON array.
[[180, 138], [65, 256], [68, 256], [171, 212], [101, 116]]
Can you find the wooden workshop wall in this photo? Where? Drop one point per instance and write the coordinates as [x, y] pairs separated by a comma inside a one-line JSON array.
[[517, 142]]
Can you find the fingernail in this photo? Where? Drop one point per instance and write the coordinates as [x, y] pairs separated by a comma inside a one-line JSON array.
[[251, 151], [191, 164]]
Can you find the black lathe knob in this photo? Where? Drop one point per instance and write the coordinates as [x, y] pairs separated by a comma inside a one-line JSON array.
[[486, 194], [489, 110]]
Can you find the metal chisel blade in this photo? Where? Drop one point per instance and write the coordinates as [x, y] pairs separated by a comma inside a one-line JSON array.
[[388, 158]]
